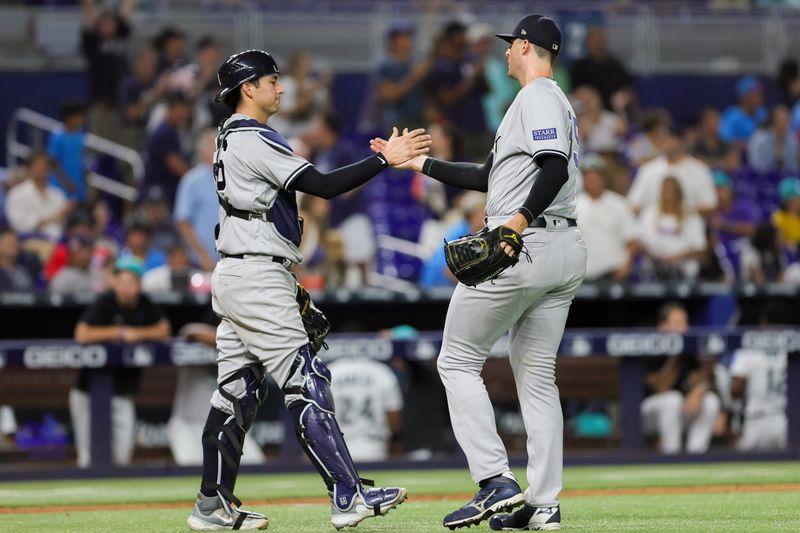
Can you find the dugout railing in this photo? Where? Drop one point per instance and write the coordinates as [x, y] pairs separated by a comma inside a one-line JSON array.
[[630, 347]]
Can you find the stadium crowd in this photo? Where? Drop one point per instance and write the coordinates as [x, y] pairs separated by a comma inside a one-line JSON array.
[[716, 200]]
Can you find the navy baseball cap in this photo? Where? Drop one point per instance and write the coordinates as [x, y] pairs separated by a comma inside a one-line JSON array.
[[539, 30]]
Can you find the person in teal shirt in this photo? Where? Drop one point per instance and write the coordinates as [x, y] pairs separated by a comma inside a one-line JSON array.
[[502, 88], [66, 148], [740, 121]]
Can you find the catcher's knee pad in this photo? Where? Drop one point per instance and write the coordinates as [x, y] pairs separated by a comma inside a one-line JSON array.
[[244, 393], [309, 399]]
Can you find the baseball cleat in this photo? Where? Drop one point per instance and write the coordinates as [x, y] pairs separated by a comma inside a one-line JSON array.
[[212, 514], [501, 493], [366, 504], [528, 518]]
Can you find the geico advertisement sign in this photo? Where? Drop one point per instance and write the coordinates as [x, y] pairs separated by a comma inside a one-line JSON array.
[[644, 344], [381, 349], [65, 356], [785, 340], [192, 353]]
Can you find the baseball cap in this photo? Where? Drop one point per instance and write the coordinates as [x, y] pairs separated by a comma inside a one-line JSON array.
[[129, 263], [746, 84], [537, 29], [789, 188], [593, 162]]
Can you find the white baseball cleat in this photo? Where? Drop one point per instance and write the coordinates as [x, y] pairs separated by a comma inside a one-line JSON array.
[[528, 518], [365, 504], [211, 514]]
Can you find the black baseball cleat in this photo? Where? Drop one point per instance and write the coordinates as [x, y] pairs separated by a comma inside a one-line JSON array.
[[500, 493], [528, 518]]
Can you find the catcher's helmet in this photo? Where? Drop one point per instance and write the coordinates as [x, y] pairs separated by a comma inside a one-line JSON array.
[[242, 67]]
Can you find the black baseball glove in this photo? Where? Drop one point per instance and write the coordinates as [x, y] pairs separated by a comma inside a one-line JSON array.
[[474, 259], [314, 321]]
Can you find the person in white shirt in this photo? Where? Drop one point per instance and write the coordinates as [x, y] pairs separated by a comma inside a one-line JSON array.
[[693, 175], [368, 405], [759, 377], [33, 205], [607, 224], [175, 275], [672, 235], [600, 130]]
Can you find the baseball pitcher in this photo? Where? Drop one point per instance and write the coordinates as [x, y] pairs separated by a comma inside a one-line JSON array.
[[530, 175]]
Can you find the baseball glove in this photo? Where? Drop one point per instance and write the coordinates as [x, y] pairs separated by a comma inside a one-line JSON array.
[[314, 321], [474, 259]]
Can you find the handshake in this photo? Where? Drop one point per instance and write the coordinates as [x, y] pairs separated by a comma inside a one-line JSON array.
[[406, 151]]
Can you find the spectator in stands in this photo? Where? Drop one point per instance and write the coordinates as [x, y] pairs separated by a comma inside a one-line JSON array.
[[369, 405], [347, 211], [433, 194], [33, 206], [196, 205], [707, 145], [672, 235], [124, 315], [607, 225], [679, 393], [305, 96], [694, 176], [76, 276], [739, 122], [736, 218], [604, 72], [600, 130], [139, 92], [759, 378], [458, 85], [170, 44], [166, 159], [66, 150], [788, 81], [648, 144], [435, 272], [400, 80], [314, 212], [502, 88], [105, 43], [774, 146], [137, 245], [762, 258], [19, 271], [198, 81], [787, 218], [175, 275], [154, 212]]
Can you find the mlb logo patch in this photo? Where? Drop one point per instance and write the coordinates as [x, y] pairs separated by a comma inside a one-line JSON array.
[[544, 135]]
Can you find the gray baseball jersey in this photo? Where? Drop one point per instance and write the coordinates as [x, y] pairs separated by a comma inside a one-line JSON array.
[[254, 168], [530, 301], [539, 121]]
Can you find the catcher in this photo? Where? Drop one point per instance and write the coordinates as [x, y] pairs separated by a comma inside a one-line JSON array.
[[531, 177], [267, 322]]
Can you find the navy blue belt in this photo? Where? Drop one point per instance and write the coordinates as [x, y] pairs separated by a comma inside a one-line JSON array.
[[541, 222], [275, 258]]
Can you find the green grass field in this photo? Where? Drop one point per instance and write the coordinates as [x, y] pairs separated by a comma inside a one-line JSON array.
[[756, 507]]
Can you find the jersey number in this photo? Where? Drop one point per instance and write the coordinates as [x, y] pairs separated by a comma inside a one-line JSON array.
[[219, 175], [349, 411]]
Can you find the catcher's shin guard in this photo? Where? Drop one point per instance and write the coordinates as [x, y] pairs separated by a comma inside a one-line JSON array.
[[309, 400], [224, 433]]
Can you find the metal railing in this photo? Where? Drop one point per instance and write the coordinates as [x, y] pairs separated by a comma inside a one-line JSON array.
[[18, 150], [650, 38]]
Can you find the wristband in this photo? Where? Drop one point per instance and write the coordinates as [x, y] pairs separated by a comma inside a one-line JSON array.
[[524, 211]]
